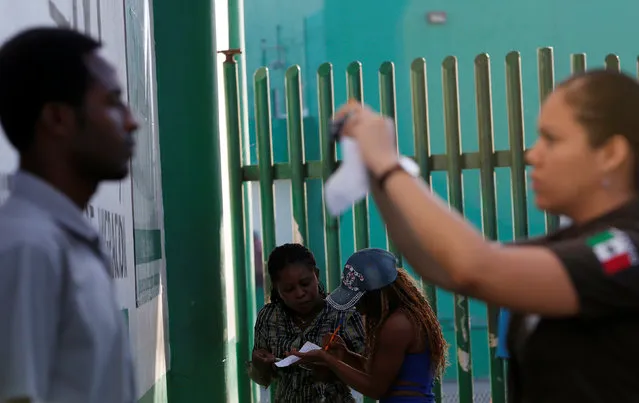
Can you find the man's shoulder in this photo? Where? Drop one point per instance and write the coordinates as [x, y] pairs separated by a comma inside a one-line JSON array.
[[22, 224]]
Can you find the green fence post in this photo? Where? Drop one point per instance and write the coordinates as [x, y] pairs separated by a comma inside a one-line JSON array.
[[191, 179], [388, 108], [516, 138], [237, 41], [485, 132], [296, 159], [578, 63], [546, 69], [612, 62], [265, 163], [355, 90], [419, 96], [453, 157], [329, 163], [515, 109], [243, 274]]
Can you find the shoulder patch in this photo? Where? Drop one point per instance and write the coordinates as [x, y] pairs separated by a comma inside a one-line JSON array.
[[614, 250]]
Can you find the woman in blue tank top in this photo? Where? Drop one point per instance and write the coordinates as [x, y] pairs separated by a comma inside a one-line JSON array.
[[405, 347]]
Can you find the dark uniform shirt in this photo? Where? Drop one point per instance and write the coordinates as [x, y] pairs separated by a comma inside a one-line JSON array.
[[594, 355]]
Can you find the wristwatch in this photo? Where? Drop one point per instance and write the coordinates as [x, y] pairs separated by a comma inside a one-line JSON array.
[[404, 164]]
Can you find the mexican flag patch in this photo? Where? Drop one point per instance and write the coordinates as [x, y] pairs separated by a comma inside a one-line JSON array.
[[614, 250]]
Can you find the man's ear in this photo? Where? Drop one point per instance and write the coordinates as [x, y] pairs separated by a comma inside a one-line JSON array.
[[58, 119]]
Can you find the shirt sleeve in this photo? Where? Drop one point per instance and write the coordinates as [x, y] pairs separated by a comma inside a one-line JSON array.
[[353, 333], [30, 300], [264, 316], [604, 269]]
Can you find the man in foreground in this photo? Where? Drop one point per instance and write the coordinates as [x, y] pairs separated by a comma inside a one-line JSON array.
[[62, 338]]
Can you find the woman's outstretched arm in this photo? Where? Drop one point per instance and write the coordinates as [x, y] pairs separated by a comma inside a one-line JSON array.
[[443, 247]]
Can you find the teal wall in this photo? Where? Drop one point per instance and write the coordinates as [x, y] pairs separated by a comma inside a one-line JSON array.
[[374, 31]]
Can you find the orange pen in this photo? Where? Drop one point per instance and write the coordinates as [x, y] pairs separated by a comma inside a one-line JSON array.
[[344, 320], [332, 337]]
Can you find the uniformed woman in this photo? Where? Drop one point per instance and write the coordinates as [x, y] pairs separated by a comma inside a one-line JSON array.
[[574, 294]]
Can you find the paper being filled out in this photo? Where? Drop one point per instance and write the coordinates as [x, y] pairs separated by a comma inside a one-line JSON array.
[[291, 359]]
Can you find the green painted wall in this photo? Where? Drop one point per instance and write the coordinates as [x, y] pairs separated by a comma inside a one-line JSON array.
[[373, 31]]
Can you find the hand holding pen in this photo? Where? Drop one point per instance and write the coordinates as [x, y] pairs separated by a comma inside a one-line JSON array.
[[335, 346]]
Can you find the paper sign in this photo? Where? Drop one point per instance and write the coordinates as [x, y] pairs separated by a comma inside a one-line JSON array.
[[291, 359]]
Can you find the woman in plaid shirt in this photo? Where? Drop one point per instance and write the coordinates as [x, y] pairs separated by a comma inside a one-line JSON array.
[[296, 314]]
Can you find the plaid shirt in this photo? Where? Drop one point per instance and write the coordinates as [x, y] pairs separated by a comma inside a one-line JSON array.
[[276, 332]]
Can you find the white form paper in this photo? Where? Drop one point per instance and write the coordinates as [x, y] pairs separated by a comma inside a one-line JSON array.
[[291, 359], [349, 184]]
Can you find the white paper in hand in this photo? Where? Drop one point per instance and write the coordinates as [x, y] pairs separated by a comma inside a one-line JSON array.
[[291, 359], [349, 184]]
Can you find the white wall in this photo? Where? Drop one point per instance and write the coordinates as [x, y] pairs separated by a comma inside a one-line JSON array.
[[112, 208]]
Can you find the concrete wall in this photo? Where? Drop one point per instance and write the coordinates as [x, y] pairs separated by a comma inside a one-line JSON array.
[[128, 214]]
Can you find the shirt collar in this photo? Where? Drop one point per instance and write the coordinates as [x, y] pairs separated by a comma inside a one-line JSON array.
[[619, 216], [57, 205]]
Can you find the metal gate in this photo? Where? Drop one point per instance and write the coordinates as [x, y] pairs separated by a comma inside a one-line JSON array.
[[453, 163]]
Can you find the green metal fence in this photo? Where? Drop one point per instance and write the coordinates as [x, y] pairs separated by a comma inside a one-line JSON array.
[[453, 163]]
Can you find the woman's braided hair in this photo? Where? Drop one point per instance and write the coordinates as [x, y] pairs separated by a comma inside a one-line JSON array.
[[403, 294]]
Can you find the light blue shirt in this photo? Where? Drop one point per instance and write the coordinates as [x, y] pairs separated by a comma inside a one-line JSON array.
[[62, 335]]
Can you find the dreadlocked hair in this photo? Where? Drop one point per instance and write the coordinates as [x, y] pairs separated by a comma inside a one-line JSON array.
[[284, 256], [403, 294]]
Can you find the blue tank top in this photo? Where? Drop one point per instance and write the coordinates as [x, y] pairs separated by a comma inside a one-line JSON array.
[[417, 370]]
